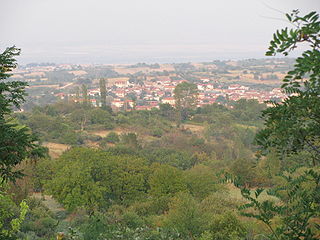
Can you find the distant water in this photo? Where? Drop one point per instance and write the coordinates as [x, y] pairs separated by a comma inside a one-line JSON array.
[[131, 54], [121, 54]]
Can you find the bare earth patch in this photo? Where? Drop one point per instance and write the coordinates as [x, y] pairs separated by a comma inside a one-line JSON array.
[[56, 149], [49, 202], [194, 128], [104, 133]]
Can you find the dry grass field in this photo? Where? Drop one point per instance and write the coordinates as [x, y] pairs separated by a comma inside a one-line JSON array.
[[56, 149], [123, 69], [104, 133], [197, 129], [235, 193]]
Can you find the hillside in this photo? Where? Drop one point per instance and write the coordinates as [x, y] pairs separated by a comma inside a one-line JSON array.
[[139, 169]]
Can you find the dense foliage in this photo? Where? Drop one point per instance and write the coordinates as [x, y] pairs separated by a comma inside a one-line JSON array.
[[134, 184], [293, 127], [16, 142]]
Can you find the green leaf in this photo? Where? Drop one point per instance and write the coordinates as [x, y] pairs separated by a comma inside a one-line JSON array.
[[288, 17]]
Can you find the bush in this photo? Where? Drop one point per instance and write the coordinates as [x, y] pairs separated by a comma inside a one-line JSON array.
[[109, 125], [227, 227], [70, 137], [112, 137], [185, 216], [130, 140], [197, 142], [132, 220], [157, 132], [39, 220], [175, 158], [94, 138]]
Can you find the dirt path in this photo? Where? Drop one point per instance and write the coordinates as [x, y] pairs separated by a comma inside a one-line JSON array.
[[49, 202]]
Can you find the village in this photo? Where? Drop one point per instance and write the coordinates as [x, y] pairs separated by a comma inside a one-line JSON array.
[[143, 86], [151, 94]]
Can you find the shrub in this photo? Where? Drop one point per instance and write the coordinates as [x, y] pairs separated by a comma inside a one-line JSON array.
[[157, 132], [112, 137]]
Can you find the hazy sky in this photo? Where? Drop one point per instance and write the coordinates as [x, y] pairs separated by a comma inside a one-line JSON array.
[[120, 31]]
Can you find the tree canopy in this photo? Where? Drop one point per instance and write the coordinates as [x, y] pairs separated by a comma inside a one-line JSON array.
[[185, 95], [16, 142], [294, 125]]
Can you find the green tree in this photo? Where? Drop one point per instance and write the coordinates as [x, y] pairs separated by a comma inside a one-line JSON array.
[[100, 116], [172, 157], [185, 216], [186, 96], [244, 170], [294, 125], [167, 111], [225, 227], [220, 220], [10, 222], [94, 179], [130, 140], [103, 93], [296, 217], [80, 117], [166, 181], [247, 109], [77, 89], [112, 137], [221, 99], [78, 179], [85, 98], [39, 221], [201, 181], [127, 179], [16, 142]]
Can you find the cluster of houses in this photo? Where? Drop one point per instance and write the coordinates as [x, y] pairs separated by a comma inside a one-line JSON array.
[[123, 95]]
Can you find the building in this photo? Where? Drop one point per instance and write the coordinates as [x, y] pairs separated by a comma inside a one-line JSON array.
[[169, 100]]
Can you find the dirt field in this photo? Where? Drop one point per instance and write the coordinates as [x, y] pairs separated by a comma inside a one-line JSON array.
[[45, 86], [104, 133], [249, 78], [194, 128], [124, 70], [56, 149]]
